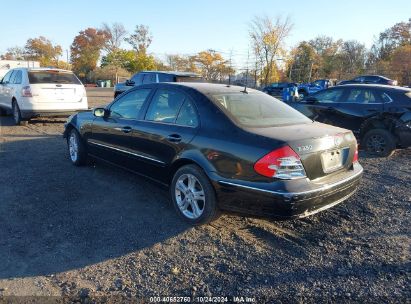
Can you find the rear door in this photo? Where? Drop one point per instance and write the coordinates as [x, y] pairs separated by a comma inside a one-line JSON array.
[[170, 123], [358, 105], [50, 86]]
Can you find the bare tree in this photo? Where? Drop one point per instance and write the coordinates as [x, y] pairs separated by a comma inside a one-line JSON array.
[[267, 39], [141, 39], [115, 36]]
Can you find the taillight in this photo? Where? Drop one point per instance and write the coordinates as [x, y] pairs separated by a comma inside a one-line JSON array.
[[26, 92], [282, 163], [355, 158]]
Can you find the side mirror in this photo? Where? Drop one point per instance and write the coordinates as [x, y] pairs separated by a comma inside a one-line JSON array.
[[130, 82], [100, 112]]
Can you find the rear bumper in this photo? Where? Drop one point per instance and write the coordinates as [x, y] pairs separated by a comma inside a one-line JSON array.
[[27, 114], [275, 201]]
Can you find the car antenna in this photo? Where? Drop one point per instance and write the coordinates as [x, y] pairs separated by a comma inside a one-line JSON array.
[[246, 74]]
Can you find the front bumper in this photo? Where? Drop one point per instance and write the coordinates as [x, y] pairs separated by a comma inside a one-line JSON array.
[[288, 200]]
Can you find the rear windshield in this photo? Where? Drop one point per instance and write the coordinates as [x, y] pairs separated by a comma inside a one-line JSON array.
[[189, 79], [258, 110], [53, 77]]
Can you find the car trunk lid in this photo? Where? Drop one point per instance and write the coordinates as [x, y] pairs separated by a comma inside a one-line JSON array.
[[323, 149]]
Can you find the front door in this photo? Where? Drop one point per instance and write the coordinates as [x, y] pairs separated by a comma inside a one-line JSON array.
[[112, 137], [5, 89], [325, 109]]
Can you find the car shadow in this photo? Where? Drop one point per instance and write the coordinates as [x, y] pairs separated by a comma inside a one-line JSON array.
[[48, 120], [57, 217]]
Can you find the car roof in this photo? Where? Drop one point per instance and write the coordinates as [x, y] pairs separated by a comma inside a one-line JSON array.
[[373, 76], [371, 86], [44, 69], [206, 87], [176, 73]]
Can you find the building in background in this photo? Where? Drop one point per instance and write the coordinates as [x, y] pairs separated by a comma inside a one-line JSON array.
[[6, 65]]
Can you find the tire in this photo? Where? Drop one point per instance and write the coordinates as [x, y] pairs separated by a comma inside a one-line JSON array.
[[18, 120], [188, 182], [76, 148], [379, 142]]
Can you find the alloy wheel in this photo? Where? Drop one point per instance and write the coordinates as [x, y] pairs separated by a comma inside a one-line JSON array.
[[376, 143], [73, 147], [190, 196]]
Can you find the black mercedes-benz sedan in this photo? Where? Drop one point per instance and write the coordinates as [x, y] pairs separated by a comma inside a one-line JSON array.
[[221, 148]]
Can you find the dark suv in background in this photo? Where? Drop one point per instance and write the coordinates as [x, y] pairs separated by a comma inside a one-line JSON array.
[[371, 79], [379, 115], [275, 89], [147, 77]]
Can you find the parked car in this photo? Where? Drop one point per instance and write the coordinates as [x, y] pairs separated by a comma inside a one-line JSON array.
[[221, 147], [306, 89], [275, 89], [147, 77], [371, 79], [33, 92], [379, 115]]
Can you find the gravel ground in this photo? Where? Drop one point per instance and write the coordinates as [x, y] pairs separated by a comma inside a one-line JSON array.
[[100, 234]]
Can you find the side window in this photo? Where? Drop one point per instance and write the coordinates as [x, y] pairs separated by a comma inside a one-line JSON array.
[[138, 79], [129, 105], [371, 79], [165, 78], [165, 106], [187, 115], [329, 95], [16, 78], [361, 96], [6, 78], [149, 78], [385, 97]]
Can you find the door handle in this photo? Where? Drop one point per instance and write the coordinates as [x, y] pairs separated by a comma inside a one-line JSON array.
[[126, 129], [174, 138]]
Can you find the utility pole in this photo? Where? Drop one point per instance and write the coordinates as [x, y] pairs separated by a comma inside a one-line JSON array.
[[311, 70], [67, 59], [229, 72], [255, 72], [291, 69]]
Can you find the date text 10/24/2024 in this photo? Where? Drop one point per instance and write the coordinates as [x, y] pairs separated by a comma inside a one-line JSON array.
[[200, 299]]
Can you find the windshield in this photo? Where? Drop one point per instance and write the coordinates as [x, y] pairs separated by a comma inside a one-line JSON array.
[[258, 110], [278, 85], [318, 82], [52, 76]]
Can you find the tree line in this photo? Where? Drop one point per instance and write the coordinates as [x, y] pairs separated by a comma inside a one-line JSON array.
[[99, 53]]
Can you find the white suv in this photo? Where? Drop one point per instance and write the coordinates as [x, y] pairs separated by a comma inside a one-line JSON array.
[[29, 93]]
